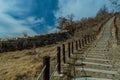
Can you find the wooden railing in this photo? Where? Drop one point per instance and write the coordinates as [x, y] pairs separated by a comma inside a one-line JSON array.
[[75, 45]]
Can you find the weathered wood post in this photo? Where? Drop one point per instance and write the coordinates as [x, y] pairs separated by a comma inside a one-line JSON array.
[[69, 50], [92, 37], [59, 60], [83, 43], [46, 62], [89, 39], [76, 45], [63, 51], [80, 44], [72, 47], [85, 38]]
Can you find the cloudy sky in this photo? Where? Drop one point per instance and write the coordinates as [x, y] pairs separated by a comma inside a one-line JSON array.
[[40, 16]]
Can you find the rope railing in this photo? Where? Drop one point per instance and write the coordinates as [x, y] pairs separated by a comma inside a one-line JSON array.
[[41, 73], [52, 75], [52, 68]]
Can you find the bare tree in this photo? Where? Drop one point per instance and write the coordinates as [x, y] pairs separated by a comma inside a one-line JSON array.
[[115, 4], [70, 18], [102, 11], [65, 23], [62, 23]]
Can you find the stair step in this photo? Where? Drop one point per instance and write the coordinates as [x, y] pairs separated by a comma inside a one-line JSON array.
[[95, 53], [96, 59], [89, 78], [94, 56], [98, 71], [97, 64]]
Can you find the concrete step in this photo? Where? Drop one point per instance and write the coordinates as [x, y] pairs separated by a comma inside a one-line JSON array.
[[96, 59], [97, 71], [97, 64], [95, 52], [94, 56], [89, 78]]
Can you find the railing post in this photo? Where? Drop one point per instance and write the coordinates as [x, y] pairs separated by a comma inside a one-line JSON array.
[[63, 51], [72, 47], [59, 60], [79, 44], [69, 50], [76, 45], [95, 34], [92, 37], [83, 43], [89, 39], [85, 38], [46, 62]]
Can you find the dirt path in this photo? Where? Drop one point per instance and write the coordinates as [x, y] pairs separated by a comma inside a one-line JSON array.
[[97, 63]]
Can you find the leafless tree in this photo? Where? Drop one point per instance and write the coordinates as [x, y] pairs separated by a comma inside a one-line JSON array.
[[64, 23], [115, 4], [102, 11]]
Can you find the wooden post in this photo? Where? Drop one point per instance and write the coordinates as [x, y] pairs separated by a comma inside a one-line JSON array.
[[92, 37], [83, 43], [72, 47], [95, 35], [59, 60], [63, 51], [85, 38], [46, 62], [69, 50], [89, 39], [76, 45], [80, 44]]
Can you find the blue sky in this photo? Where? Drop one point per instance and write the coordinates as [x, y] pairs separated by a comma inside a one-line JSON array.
[[40, 16]]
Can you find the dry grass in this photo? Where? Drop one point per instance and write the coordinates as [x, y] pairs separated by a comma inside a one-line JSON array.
[[26, 64], [23, 64]]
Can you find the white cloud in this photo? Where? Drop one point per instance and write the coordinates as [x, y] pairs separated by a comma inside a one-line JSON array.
[[79, 8], [9, 26], [33, 20]]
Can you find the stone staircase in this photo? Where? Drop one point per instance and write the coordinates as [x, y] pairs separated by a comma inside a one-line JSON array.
[[96, 63]]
